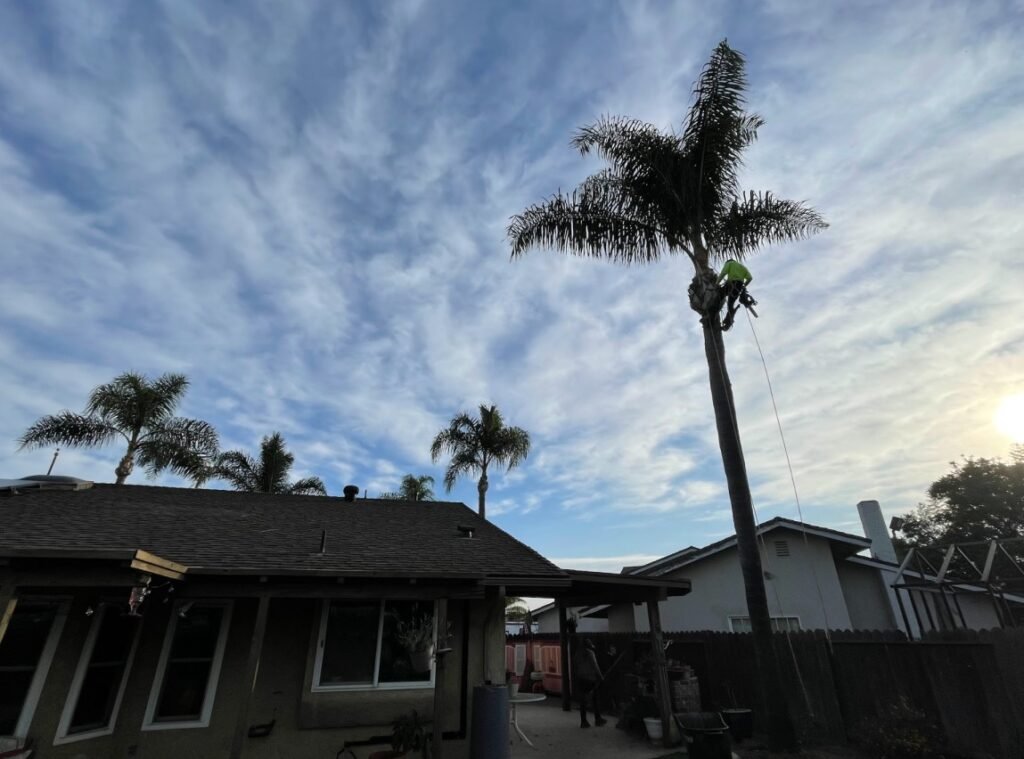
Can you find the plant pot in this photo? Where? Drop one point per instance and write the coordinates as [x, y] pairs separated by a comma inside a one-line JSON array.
[[653, 727], [421, 660]]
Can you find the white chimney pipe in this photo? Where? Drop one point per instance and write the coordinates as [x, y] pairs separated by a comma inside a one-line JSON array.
[[875, 530]]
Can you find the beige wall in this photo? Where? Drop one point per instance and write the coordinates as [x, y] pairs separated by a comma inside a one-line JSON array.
[[282, 690], [867, 598]]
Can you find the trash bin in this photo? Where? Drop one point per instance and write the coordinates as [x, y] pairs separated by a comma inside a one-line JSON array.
[[706, 735], [490, 723]]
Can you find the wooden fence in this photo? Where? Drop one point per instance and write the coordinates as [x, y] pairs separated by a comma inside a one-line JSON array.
[[969, 685]]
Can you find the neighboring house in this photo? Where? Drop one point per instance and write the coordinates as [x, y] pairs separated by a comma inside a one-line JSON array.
[[161, 622], [816, 578]]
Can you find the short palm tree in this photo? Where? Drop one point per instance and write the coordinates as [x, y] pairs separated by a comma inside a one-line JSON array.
[[671, 194], [142, 413], [475, 443], [413, 488], [516, 609], [268, 474]]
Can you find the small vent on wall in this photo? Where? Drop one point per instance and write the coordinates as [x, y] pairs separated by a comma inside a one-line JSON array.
[[782, 548]]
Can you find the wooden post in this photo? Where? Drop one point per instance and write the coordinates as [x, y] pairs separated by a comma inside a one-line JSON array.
[[252, 667], [8, 602], [660, 669], [440, 654], [563, 642]]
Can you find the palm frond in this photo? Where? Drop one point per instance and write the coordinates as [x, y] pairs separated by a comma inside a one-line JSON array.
[[591, 222], [417, 488], [635, 148], [306, 486], [717, 131], [187, 447], [275, 464], [758, 219], [458, 435], [239, 470], [68, 429], [511, 447], [462, 462]]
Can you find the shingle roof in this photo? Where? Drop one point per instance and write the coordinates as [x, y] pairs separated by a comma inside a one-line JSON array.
[[219, 530]]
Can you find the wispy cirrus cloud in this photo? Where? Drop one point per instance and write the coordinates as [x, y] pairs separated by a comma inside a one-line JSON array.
[[304, 210]]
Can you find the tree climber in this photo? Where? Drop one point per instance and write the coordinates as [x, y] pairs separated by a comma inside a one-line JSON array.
[[733, 281]]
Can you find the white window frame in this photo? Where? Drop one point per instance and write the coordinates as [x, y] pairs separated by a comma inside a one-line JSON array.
[[735, 617], [375, 685], [71, 703], [209, 697], [35, 689]]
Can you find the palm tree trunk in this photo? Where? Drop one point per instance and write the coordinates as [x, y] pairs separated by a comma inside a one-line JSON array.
[[125, 466], [782, 732], [481, 489]]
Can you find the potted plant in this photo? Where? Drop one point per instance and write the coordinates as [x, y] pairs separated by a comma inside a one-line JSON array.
[[417, 637], [409, 734]]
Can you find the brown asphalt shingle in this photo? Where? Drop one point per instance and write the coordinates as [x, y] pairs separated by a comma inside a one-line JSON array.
[[225, 530]]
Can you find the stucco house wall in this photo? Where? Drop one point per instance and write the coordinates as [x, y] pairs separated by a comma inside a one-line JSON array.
[[307, 724], [866, 596]]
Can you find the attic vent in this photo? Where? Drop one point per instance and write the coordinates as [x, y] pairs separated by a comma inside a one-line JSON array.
[[465, 530], [782, 548]]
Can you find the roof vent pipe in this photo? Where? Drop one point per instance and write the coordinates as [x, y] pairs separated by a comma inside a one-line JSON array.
[[874, 529], [351, 491]]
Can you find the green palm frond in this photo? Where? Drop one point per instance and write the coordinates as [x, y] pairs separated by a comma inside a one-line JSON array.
[[415, 488], [758, 219], [269, 473], [474, 443], [306, 486], [187, 447], [240, 470], [594, 221], [68, 429], [462, 463], [666, 193]]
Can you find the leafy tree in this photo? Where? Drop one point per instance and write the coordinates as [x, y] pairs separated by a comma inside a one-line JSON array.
[[268, 474], [413, 488], [980, 499], [475, 443], [142, 413], [679, 194]]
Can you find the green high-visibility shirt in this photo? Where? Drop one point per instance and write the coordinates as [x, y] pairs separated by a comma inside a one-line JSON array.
[[735, 271]]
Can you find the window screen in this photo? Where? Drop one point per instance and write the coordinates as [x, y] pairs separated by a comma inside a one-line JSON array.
[[20, 652], [108, 662], [189, 665]]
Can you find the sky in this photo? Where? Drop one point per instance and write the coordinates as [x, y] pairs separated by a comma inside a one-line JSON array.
[[302, 206]]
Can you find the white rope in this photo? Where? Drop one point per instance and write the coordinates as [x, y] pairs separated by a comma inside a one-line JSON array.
[[760, 536], [792, 479]]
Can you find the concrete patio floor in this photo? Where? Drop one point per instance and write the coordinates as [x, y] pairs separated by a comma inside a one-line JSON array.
[[557, 735]]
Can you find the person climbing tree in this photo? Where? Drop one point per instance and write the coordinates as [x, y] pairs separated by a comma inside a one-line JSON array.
[[733, 280]]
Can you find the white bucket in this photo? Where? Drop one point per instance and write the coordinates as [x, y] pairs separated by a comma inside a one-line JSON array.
[[653, 725]]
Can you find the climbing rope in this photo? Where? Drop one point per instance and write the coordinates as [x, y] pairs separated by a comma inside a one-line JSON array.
[[759, 536]]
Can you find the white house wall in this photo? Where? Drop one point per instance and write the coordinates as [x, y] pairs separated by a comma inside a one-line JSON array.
[[718, 594], [867, 599]]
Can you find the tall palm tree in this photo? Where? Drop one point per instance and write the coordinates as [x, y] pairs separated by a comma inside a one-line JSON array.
[[413, 488], [679, 193], [142, 413], [474, 443], [269, 474]]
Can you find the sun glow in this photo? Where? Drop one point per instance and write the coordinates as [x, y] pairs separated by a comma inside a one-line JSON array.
[[1010, 417]]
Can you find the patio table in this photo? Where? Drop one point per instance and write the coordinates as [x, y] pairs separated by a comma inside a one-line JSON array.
[[523, 698]]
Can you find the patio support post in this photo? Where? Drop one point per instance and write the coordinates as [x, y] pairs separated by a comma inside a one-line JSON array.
[[441, 648], [660, 669], [252, 667], [8, 602], [563, 642]]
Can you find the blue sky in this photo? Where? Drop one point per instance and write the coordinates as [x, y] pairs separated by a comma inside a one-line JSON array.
[[302, 206]]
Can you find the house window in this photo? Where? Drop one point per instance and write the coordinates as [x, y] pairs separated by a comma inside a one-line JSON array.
[[99, 681], [779, 624], [25, 656], [362, 645], [190, 663]]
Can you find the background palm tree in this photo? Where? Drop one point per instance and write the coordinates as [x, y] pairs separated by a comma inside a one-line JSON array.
[[666, 194], [475, 443], [516, 609], [140, 411], [413, 488], [269, 474]]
